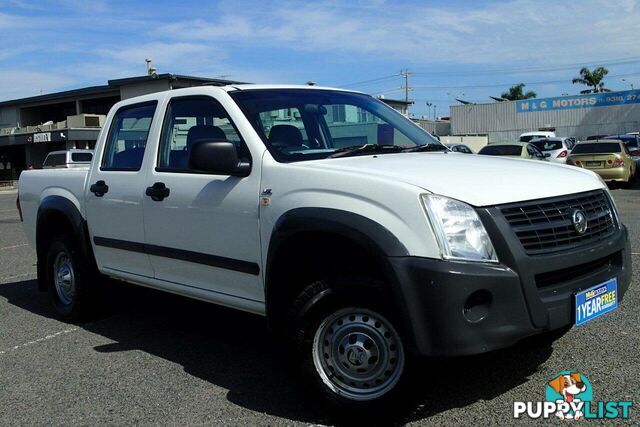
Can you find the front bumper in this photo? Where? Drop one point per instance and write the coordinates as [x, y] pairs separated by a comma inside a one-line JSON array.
[[458, 308]]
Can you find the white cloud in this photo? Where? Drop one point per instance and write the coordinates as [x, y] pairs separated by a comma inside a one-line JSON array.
[[518, 30]]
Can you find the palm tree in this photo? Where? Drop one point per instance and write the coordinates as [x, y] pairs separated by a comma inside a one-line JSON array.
[[592, 78], [516, 92]]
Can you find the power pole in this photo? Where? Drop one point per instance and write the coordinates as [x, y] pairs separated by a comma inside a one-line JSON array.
[[405, 73]]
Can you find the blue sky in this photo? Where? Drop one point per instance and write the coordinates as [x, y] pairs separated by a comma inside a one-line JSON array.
[[458, 48]]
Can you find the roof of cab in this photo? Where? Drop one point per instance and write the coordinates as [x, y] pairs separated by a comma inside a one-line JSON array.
[[250, 86]]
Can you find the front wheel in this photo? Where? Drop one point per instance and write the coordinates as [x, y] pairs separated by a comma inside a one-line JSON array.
[[351, 348], [358, 354]]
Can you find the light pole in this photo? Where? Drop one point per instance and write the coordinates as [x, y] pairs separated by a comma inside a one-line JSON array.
[[429, 104], [628, 82]]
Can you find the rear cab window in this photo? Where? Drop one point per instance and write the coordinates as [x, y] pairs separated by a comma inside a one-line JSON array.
[[127, 138], [81, 157]]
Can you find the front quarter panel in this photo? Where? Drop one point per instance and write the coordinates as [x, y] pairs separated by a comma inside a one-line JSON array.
[[393, 206]]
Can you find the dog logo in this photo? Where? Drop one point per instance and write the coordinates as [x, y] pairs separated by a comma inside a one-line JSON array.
[[570, 388], [579, 220]]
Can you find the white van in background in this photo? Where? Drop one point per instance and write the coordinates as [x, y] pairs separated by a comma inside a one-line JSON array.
[[68, 159], [528, 136]]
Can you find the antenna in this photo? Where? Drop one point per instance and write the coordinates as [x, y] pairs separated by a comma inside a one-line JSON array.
[[151, 70]]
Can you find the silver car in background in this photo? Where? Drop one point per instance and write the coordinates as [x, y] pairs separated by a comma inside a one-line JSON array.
[[556, 149], [460, 148]]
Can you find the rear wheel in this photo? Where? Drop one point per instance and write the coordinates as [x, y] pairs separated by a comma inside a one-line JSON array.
[[351, 348], [71, 282]]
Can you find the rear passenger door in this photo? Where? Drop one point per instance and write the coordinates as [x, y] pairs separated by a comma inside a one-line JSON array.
[[203, 237], [115, 190]]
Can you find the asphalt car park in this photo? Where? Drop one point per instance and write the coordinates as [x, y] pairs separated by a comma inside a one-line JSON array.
[[154, 358]]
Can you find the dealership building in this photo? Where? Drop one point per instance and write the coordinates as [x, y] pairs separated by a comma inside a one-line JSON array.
[[578, 115]]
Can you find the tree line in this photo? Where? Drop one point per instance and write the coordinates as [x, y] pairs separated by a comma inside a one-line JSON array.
[[592, 79]]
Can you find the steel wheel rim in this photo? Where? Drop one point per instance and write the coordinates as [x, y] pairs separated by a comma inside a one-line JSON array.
[[358, 354], [64, 278]]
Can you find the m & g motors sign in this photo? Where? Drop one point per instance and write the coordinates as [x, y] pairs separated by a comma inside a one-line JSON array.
[[578, 101]]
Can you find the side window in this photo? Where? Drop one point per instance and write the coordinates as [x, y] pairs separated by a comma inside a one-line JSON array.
[[54, 160], [127, 137], [191, 120]]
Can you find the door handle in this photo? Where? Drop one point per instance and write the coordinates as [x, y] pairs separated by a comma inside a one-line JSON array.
[[157, 192], [99, 188]]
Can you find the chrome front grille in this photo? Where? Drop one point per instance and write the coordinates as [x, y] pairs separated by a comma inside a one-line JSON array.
[[546, 225]]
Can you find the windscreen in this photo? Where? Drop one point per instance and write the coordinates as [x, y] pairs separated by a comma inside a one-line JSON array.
[[597, 148], [547, 145], [308, 124], [501, 150]]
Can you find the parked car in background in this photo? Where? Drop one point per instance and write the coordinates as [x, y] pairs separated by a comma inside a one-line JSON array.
[[68, 159], [632, 141], [557, 148], [528, 136], [609, 158], [460, 148], [524, 150]]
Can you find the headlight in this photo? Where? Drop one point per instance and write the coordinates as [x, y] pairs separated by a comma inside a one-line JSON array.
[[459, 231]]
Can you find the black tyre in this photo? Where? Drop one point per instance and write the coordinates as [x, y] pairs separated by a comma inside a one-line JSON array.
[[71, 281], [351, 349]]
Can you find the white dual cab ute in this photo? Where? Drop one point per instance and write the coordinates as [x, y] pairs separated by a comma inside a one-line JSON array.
[[360, 238]]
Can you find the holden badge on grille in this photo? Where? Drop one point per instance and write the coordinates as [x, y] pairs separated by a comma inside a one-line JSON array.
[[579, 220]]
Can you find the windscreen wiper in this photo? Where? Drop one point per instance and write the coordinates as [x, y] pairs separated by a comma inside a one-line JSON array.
[[426, 147], [356, 150]]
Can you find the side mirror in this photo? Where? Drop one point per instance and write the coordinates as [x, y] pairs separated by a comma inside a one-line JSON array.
[[219, 157]]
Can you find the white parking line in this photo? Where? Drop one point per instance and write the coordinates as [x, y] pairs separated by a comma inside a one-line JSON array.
[[27, 344], [13, 247]]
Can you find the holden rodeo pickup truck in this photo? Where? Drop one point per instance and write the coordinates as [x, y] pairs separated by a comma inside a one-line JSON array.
[[360, 238]]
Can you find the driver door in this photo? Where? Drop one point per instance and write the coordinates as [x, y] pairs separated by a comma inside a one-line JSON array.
[[203, 236]]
